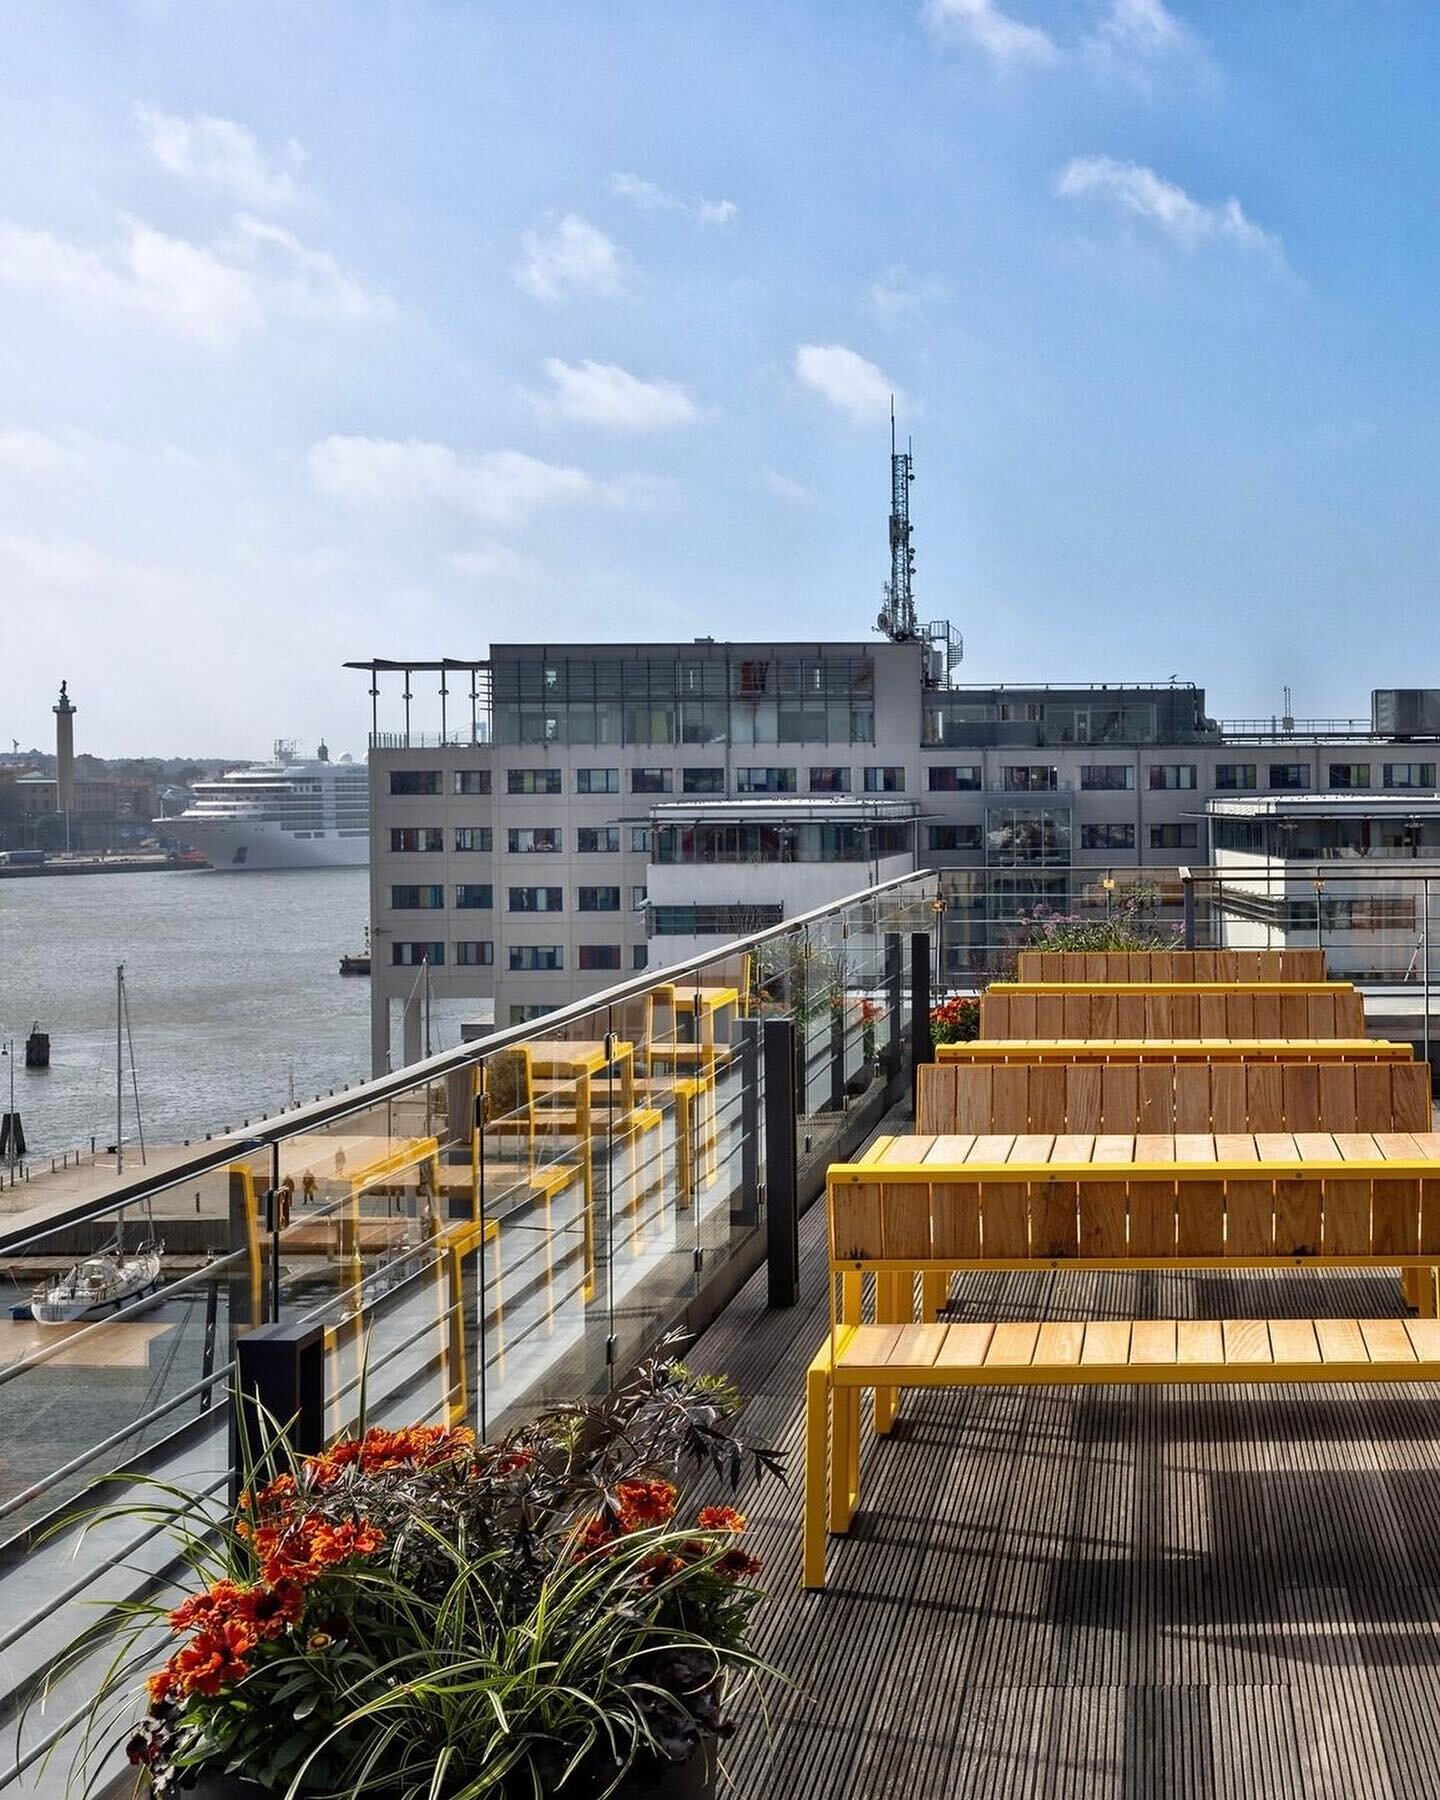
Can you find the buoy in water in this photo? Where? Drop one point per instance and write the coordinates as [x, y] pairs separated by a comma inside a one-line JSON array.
[[37, 1049]]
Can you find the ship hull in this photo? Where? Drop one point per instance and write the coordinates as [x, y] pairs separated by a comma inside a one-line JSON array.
[[259, 844]]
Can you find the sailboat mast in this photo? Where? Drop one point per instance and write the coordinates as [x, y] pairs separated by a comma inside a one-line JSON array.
[[119, 1068]]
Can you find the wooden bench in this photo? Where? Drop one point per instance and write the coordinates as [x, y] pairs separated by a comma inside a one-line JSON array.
[[1244, 1200], [1189, 1096], [1291, 1011], [1170, 965], [1072, 1050]]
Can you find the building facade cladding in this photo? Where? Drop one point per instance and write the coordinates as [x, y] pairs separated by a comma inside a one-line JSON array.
[[1020, 778]]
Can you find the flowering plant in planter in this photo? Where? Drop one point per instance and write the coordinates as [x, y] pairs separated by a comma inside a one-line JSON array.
[[956, 1020], [412, 1613]]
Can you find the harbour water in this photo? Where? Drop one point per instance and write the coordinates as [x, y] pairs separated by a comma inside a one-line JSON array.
[[234, 990]]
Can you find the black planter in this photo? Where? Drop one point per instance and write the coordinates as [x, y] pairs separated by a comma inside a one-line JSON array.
[[694, 1779]]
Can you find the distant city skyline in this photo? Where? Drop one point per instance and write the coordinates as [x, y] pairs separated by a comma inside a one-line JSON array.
[[376, 328]]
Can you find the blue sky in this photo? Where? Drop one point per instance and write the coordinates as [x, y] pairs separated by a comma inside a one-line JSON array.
[[335, 329]]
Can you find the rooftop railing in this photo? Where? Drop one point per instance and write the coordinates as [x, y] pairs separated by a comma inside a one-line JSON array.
[[509, 1222]]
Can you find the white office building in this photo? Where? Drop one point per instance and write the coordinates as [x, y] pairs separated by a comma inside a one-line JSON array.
[[563, 814]]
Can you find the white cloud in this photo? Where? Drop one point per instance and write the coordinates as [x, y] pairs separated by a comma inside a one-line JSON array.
[[1005, 40], [499, 563], [29, 452], [306, 281], [221, 154], [571, 257], [1146, 195], [502, 487], [212, 295], [784, 488], [847, 381], [650, 197], [1140, 28], [597, 393], [898, 295]]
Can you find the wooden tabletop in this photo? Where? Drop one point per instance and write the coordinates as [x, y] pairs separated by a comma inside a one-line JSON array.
[[1169, 987], [576, 1056], [1266, 1155], [1161, 1049]]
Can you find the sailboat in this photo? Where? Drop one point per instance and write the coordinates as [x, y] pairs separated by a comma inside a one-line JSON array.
[[112, 1276]]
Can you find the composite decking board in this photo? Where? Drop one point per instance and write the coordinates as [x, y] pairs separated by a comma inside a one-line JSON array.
[[1229, 1592]]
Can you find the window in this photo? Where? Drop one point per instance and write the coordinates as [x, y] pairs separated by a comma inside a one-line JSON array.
[[597, 781], [1172, 775], [474, 837], [1235, 775], [537, 899], [640, 839], [953, 837], [1349, 775], [1409, 775], [1107, 775], [598, 899], [887, 780], [765, 781], [415, 781], [593, 840], [1174, 837], [714, 921], [1289, 775], [829, 781], [1107, 837], [474, 894], [702, 781], [638, 896], [406, 899], [958, 778], [527, 840], [474, 953], [650, 781], [524, 1013], [639, 955], [1029, 778], [532, 781], [410, 956], [472, 781], [599, 956], [405, 838], [537, 956]]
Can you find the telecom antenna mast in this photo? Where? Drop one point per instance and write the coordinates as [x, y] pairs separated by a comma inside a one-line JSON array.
[[897, 617]]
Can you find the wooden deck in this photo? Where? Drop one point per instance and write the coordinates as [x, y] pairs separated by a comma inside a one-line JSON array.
[[1102, 1594]]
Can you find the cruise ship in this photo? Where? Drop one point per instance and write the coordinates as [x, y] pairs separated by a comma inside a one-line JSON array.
[[285, 814]]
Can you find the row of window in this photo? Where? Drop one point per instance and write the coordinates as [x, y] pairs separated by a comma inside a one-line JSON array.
[[430, 897], [1092, 837], [522, 957], [890, 779], [829, 780], [590, 840]]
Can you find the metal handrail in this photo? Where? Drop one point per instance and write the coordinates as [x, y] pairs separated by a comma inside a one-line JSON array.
[[446, 1062]]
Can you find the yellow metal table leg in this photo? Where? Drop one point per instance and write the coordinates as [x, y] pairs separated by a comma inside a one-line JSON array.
[[889, 1299], [817, 1458]]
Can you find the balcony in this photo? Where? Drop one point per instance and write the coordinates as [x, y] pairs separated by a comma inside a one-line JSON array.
[[1049, 1592]]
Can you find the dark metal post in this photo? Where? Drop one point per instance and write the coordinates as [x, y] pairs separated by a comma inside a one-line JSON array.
[[922, 1050], [207, 1356], [747, 1055], [894, 1000], [837, 1052], [1187, 891], [279, 1388], [782, 1210]]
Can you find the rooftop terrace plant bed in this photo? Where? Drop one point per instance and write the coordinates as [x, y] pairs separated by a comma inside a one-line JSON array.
[[417, 1616]]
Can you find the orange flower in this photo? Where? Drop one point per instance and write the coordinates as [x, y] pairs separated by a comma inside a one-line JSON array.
[[597, 1534], [721, 1518], [160, 1685], [331, 1544], [514, 1462], [267, 1611], [642, 1503], [736, 1563], [199, 1609], [281, 1488], [214, 1659]]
